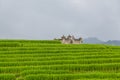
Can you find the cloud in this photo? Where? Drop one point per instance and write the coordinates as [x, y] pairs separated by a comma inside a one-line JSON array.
[[47, 19]]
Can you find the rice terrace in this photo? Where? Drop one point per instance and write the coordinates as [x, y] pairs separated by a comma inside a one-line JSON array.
[[51, 60]]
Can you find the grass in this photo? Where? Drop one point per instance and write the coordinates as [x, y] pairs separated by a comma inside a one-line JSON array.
[[51, 60]]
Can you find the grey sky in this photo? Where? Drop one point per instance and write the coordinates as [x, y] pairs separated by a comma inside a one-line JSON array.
[[47, 19]]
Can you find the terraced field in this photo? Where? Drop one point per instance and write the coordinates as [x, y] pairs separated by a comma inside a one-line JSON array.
[[50, 60]]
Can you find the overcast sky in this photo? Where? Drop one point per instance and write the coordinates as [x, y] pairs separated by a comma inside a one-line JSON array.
[[48, 19]]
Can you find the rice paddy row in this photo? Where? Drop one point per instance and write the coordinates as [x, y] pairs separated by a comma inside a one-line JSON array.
[[50, 60]]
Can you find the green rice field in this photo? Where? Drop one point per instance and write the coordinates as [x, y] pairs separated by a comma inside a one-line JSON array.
[[51, 60]]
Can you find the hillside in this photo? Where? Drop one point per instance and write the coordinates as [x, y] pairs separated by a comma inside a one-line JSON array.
[[94, 40], [113, 42], [51, 60]]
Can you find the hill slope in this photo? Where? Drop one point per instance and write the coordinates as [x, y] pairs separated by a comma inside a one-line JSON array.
[[94, 40], [50, 60]]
